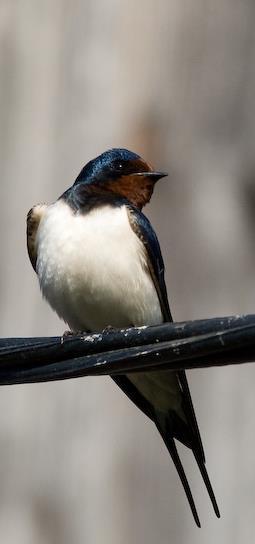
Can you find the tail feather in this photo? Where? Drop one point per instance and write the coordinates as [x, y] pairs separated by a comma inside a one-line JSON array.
[[196, 442], [170, 444], [207, 482], [190, 414]]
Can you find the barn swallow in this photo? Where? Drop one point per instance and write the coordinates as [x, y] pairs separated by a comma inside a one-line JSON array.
[[99, 263]]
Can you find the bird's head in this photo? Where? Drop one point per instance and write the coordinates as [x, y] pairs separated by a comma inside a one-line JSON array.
[[121, 173]]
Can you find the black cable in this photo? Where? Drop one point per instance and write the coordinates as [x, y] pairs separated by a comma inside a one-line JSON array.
[[171, 346]]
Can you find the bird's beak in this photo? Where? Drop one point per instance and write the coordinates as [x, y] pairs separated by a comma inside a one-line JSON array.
[[155, 176]]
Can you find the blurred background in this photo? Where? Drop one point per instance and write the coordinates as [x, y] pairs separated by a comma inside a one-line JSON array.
[[175, 82]]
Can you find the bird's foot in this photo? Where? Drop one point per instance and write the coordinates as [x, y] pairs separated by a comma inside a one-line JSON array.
[[109, 328], [69, 334]]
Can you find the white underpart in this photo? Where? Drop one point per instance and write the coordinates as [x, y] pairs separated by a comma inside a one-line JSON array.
[[93, 271]]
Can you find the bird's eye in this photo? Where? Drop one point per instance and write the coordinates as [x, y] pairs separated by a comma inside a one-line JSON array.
[[118, 165]]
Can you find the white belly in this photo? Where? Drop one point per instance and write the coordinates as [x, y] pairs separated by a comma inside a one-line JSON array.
[[93, 270]]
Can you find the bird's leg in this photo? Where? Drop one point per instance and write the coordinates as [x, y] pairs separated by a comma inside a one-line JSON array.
[[69, 334], [108, 328]]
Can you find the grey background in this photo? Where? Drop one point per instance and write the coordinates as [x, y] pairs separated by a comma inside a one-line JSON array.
[[175, 82]]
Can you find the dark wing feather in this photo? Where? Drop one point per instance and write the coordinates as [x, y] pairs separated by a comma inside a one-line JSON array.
[[34, 217], [170, 426], [145, 232], [143, 229], [134, 395]]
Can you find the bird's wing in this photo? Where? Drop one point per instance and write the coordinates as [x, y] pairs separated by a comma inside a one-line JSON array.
[[143, 229], [34, 217], [169, 424]]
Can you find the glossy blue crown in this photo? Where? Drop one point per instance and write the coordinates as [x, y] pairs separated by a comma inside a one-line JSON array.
[[103, 163]]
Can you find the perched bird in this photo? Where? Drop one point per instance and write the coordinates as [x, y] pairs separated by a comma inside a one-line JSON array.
[[99, 263]]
